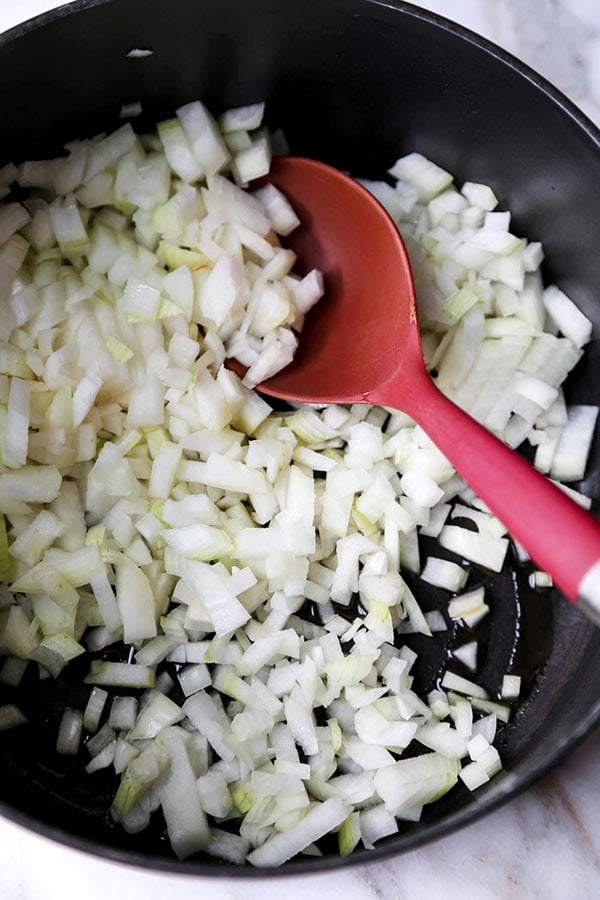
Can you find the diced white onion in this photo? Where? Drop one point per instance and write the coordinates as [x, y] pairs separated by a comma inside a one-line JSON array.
[[153, 503]]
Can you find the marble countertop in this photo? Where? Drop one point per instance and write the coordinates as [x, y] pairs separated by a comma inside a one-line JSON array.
[[546, 843]]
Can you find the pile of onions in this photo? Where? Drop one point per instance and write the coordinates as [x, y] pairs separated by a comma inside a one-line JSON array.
[[151, 500]]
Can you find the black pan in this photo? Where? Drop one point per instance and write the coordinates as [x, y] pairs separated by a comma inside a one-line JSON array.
[[355, 83]]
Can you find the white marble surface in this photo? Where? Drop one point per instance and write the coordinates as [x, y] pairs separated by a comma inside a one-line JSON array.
[[545, 844]]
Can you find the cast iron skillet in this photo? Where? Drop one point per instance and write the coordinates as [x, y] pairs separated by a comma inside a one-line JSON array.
[[355, 83]]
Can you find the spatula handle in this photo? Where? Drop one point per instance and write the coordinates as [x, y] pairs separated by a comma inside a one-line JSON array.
[[562, 538]]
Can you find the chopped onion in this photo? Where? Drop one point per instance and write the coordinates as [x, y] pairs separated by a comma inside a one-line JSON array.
[[69, 732], [94, 709], [511, 687], [11, 716], [573, 446], [154, 504]]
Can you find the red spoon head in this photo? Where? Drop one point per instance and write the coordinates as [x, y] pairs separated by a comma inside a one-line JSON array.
[[356, 338]]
